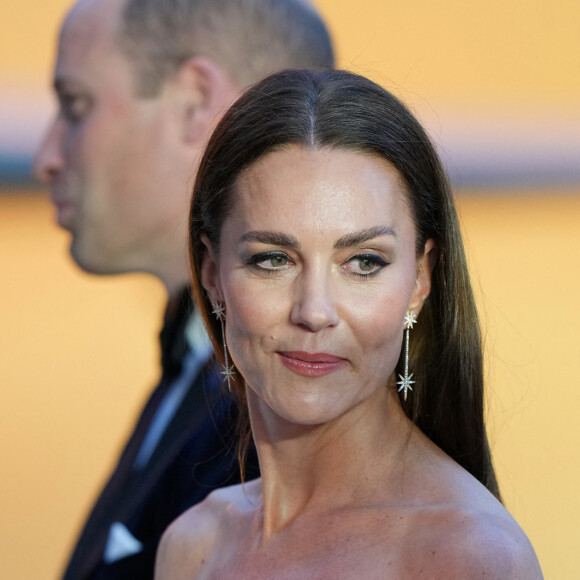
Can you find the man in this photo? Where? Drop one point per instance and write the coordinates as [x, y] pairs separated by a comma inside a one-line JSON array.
[[141, 85]]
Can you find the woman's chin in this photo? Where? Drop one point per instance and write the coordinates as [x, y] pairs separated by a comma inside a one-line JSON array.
[[306, 409]]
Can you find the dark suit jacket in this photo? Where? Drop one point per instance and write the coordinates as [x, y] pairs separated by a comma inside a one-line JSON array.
[[196, 454]]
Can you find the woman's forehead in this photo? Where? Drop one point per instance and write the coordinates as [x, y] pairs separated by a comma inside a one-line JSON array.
[[299, 188]]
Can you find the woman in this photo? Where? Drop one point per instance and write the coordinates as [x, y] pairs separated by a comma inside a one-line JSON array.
[[329, 265]]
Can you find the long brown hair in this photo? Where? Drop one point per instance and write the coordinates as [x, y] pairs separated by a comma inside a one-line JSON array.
[[341, 110]]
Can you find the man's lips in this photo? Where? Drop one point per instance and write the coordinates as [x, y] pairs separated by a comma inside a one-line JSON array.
[[308, 364], [64, 211]]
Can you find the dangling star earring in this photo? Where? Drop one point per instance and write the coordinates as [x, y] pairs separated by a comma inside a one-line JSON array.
[[227, 371], [406, 382]]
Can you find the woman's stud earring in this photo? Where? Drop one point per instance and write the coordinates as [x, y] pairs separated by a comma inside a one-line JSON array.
[[406, 382], [227, 371], [219, 311]]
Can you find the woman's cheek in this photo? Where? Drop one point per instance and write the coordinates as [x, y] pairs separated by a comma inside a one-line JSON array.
[[253, 313], [378, 323]]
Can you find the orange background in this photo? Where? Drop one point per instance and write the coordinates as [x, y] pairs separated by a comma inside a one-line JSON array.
[[78, 353]]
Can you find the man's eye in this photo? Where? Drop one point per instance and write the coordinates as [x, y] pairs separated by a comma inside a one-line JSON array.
[[74, 107]]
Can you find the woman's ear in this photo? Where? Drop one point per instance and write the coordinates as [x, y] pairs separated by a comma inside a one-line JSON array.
[[210, 279], [423, 278]]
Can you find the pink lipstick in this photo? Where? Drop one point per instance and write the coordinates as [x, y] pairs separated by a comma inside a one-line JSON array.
[[308, 364]]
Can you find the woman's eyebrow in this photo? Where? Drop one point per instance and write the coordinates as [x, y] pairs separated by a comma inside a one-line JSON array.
[[273, 238], [346, 241], [356, 238]]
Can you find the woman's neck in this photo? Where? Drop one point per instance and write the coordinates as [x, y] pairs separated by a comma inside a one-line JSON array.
[[314, 468]]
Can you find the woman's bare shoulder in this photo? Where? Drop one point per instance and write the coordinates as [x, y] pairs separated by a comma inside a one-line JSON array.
[[469, 542], [189, 540], [492, 546], [460, 530]]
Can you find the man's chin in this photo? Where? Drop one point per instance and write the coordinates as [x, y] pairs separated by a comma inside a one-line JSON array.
[[87, 260]]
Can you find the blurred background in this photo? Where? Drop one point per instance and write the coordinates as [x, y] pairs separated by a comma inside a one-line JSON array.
[[498, 86]]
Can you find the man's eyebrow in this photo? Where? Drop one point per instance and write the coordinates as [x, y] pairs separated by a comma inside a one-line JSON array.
[[62, 83], [357, 238], [59, 84], [273, 238]]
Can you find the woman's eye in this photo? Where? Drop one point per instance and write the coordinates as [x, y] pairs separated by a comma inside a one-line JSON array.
[[276, 261], [366, 264], [269, 261]]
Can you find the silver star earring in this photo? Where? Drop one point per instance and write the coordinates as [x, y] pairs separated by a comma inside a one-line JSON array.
[[227, 371], [406, 382]]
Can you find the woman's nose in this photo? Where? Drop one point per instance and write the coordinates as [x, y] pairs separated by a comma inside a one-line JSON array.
[[49, 160], [314, 307]]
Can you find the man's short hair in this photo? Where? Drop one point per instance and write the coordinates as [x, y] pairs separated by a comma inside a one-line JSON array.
[[249, 38]]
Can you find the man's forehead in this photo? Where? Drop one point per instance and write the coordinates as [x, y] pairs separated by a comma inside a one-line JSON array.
[[89, 21], [85, 10], [88, 29]]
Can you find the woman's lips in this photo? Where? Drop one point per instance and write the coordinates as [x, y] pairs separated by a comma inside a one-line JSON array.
[[308, 364]]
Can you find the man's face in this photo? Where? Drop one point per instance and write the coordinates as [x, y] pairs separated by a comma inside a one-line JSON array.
[[110, 157]]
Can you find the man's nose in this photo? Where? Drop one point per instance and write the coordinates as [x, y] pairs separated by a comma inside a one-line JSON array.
[[49, 160]]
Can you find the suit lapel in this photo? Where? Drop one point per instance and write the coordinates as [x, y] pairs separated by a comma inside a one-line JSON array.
[[89, 548], [192, 411]]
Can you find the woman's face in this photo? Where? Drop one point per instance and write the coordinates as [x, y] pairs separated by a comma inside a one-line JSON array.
[[316, 270]]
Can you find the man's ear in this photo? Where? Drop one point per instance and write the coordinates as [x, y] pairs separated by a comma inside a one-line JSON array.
[[423, 280], [210, 278], [205, 91]]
